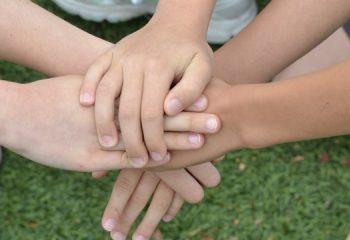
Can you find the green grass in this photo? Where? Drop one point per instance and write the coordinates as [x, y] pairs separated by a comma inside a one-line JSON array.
[[284, 192]]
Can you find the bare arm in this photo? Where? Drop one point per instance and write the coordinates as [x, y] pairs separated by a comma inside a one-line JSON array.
[[283, 32], [259, 115], [33, 37]]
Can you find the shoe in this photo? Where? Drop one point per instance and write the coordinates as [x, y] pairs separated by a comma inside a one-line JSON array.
[[229, 16], [111, 10]]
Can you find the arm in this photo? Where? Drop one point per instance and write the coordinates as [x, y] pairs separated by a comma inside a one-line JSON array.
[[283, 32], [175, 13], [260, 115], [34, 37]]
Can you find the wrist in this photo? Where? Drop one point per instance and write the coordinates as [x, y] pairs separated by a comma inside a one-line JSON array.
[[181, 18], [10, 94], [251, 113]]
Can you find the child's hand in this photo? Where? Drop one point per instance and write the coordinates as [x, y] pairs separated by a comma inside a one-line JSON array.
[[134, 188], [140, 70]]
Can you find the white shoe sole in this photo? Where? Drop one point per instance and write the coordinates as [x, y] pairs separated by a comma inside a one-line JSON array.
[[98, 13], [221, 30]]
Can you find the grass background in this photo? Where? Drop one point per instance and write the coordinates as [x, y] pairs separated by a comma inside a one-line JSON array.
[[291, 191]]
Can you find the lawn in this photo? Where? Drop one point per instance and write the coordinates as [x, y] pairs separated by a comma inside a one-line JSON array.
[[291, 191]]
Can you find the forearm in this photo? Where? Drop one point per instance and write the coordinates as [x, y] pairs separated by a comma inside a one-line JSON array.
[[261, 115], [307, 107], [190, 16], [283, 32], [33, 37]]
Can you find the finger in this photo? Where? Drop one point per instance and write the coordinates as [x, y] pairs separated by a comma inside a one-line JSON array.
[[157, 80], [193, 122], [92, 77], [104, 161], [123, 188], [199, 105], [218, 160], [184, 184], [99, 174], [107, 91], [174, 208], [206, 174], [136, 203], [161, 201], [189, 89], [176, 141], [129, 116]]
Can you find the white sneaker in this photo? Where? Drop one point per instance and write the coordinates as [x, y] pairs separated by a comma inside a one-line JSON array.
[[229, 16]]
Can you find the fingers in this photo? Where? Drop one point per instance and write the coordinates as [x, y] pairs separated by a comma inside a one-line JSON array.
[[176, 141], [193, 122], [161, 202], [129, 116], [136, 203], [99, 174], [189, 89], [218, 160], [122, 190], [199, 105], [93, 77], [107, 91], [206, 174], [103, 161], [174, 208], [156, 85], [184, 184]]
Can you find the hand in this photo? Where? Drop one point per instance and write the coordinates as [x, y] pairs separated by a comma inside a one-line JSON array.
[[48, 125], [134, 188], [234, 109], [141, 69]]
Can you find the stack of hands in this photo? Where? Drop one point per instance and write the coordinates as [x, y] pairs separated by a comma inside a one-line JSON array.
[[139, 108], [149, 104]]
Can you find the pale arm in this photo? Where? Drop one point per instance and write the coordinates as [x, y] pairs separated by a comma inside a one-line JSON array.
[[34, 37]]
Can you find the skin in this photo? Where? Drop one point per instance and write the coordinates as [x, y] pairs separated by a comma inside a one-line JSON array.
[[237, 69], [18, 24], [140, 65]]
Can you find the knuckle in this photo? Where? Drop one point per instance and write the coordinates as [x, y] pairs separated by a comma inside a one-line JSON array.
[[103, 89], [140, 198], [155, 65], [150, 116], [124, 185], [127, 114]]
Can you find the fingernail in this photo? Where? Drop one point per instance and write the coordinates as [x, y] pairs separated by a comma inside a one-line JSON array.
[[86, 98], [167, 218], [107, 141], [212, 124], [201, 103], [156, 156], [139, 237], [137, 162], [118, 236], [194, 138], [109, 225], [174, 106]]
